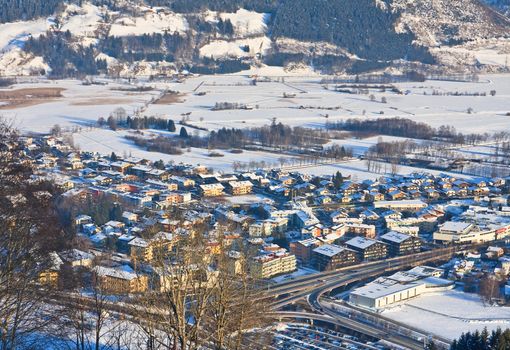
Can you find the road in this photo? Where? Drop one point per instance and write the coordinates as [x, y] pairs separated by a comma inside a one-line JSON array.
[[314, 287]]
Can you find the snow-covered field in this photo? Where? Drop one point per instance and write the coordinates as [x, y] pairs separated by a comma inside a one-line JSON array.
[[451, 313], [310, 104], [107, 141]]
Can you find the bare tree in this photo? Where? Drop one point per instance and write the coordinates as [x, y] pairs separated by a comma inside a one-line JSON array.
[[30, 232], [489, 288]]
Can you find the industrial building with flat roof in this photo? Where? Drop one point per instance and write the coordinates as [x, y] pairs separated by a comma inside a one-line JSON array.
[[399, 287]]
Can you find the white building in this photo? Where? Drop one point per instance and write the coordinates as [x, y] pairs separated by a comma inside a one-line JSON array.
[[399, 287]]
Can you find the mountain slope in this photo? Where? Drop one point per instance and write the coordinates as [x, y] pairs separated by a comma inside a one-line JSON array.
[[445, 22], [217, 36]]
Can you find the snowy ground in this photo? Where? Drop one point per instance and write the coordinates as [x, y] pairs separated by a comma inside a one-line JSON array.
[[107, 141], [82, 105], [357, 169], [451, 313]]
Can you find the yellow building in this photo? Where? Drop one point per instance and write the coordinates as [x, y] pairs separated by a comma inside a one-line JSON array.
[[118, 281], [238, 188], [212, 190], [267, 266], [140, 250], [49, 278], [50, 275]]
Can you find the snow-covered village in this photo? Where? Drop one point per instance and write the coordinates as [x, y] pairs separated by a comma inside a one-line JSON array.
[[245, 174]]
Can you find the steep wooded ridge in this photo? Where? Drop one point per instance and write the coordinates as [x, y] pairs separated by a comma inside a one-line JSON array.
[[148, 37]]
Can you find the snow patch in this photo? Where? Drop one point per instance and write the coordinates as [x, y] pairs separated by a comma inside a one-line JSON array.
[[82, 21], [239, 48], [247, 22], [16, 33], [17, 62], [151, 22]]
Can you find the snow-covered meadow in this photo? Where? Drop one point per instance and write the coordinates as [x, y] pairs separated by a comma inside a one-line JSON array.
[[307, 102], [451, 313]]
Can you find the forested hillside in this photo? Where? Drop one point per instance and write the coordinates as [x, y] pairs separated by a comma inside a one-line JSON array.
[[359, 26], [13, 10], [217, 36]]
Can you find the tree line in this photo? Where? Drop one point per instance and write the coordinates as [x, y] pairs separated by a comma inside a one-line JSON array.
[[65, 60], [497, 339], [15, 10], [404, 127]]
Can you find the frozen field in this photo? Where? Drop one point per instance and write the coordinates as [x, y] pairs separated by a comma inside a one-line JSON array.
[[451, 313], [107, 141], [307, 107], [307, 103]]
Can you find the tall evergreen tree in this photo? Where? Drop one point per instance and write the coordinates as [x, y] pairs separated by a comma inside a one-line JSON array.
[[171, 125]]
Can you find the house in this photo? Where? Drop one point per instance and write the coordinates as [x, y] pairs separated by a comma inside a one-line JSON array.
[[401, 244], [82, 220], [303, 249], [237, 188], [183, 182], [129, 218], [50, 275], [140, 250], [360, 230], [75, 258], [331, 257], [368, 249], [235, 262], [211, 190], [120, 280]]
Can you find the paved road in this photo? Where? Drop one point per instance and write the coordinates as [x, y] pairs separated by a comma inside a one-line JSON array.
[[315, 286]]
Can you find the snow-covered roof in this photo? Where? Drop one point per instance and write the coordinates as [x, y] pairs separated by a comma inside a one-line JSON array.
[[329, 250], [125, 274], [395, 237], [456, 226], [361, 242]]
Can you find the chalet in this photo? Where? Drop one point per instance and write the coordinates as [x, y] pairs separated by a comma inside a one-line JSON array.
[[211, 190], [349, 188], [303, 249], [237, 188], [368, 249], [360, 230], [432, 194], [396, 195], [401, 244], [162, 185], [331, 257], [121, 167], [323, 200], [158, 174], [183, 182]]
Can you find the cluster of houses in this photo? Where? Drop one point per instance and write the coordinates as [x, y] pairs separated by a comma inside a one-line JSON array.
[[295, 219]]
